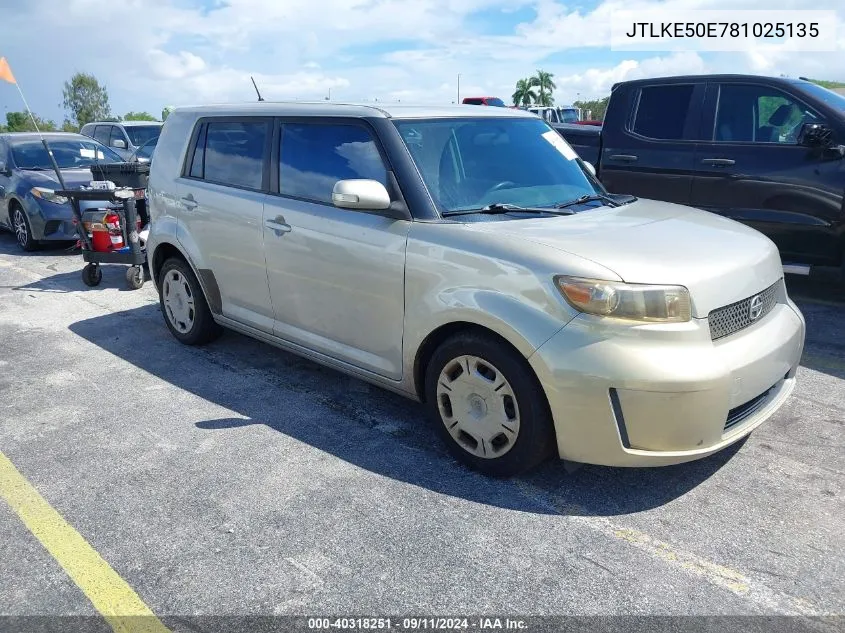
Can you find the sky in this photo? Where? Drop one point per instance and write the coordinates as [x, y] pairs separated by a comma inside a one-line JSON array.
[[153, 53]]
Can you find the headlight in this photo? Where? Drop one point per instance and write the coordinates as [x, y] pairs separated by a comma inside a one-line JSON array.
[[47, 194], [637, 302]]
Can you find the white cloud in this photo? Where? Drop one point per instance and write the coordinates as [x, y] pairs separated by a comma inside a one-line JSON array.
[[165, 66], [172, 51]]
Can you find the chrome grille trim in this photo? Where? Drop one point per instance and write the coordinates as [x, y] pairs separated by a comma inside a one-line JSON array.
[[732, 318]]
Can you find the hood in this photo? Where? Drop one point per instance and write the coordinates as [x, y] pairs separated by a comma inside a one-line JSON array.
[[718, 260], [74, 178]]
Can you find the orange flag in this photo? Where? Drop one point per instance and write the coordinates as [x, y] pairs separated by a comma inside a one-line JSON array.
[[6, 72]]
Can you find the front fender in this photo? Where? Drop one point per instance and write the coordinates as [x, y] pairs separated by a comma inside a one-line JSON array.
[[524, 325]]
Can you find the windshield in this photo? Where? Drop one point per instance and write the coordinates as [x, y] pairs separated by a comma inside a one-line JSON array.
[[69, 154], [469, 163], [831, 98], [140, 134], [494, 101], [146, 150], [570, 115]]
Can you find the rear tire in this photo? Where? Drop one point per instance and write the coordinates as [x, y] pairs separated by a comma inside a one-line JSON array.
[[488, 406], [183, 304]]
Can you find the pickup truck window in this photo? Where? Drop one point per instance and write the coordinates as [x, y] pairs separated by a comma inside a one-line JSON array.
[[471, 163], [662, 111], [314, 156], [102, 133], [759, 114]]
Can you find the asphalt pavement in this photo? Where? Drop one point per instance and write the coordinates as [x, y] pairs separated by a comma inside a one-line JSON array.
[[240, 479]]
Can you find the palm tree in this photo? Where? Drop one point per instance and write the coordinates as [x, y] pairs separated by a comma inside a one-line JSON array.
[[543, 81], [524, 94]]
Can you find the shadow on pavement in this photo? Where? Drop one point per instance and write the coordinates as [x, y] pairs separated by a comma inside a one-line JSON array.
[[379, 431], [9, 246], [822, 303]]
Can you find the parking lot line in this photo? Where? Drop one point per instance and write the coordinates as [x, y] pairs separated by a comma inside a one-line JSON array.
[[111, 596]]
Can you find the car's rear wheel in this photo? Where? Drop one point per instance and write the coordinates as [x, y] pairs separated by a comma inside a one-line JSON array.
[[488, 405], [23, 230], [183, 304]]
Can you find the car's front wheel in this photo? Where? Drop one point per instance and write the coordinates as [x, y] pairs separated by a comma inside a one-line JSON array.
[[488, 405], [23, 230], [183, 304]]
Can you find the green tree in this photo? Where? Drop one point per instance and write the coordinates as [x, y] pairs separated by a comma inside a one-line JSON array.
[[167, 110], [524, 93], [139, 116], [597, 107], [67, 126], [85, 99], [830, 85], [21, 122], [543, 81]]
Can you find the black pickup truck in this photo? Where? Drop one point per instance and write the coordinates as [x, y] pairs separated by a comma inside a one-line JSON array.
[[764, 151]]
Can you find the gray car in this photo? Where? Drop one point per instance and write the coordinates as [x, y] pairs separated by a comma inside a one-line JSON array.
[[124, 137], [467, 258], [28, 204]]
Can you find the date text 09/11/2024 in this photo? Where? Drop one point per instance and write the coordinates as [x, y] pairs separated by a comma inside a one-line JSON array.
[[681, 30], [417, 624]]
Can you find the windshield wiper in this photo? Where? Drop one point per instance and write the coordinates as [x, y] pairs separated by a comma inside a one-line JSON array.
[[36, 168], [596, 197], [503, 207]]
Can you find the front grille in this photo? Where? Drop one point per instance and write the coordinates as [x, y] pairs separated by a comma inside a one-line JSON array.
[[744, 411], [737, 316]]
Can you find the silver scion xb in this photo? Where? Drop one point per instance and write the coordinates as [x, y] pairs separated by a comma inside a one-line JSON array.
[[466, 257]]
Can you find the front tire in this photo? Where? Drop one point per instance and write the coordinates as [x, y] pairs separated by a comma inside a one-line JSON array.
[[183, 304], [488, 405], [92, 275], [23, 230]]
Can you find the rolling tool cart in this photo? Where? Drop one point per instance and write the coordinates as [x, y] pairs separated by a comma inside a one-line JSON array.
[[117, 242], [110, 235]]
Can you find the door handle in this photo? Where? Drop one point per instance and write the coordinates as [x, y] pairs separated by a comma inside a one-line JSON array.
[[719, 162], [628, 158], [189, 202], [278, 226]]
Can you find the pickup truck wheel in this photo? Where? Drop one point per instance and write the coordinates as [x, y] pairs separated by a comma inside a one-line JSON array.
[[184, 306], [488, 406]]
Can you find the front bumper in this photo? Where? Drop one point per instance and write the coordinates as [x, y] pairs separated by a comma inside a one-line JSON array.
[[659, 394]]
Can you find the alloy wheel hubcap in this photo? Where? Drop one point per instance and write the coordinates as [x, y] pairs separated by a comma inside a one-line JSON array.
[[21, 232], [478, 407], [178, 301]]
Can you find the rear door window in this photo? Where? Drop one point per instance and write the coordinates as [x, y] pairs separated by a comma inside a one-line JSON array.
[[315, 156], [662, 111], [231, 153]]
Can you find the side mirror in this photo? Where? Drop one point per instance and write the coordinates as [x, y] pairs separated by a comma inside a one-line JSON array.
[[118, 143], [589, 167], [366, 195], [815, 135]]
